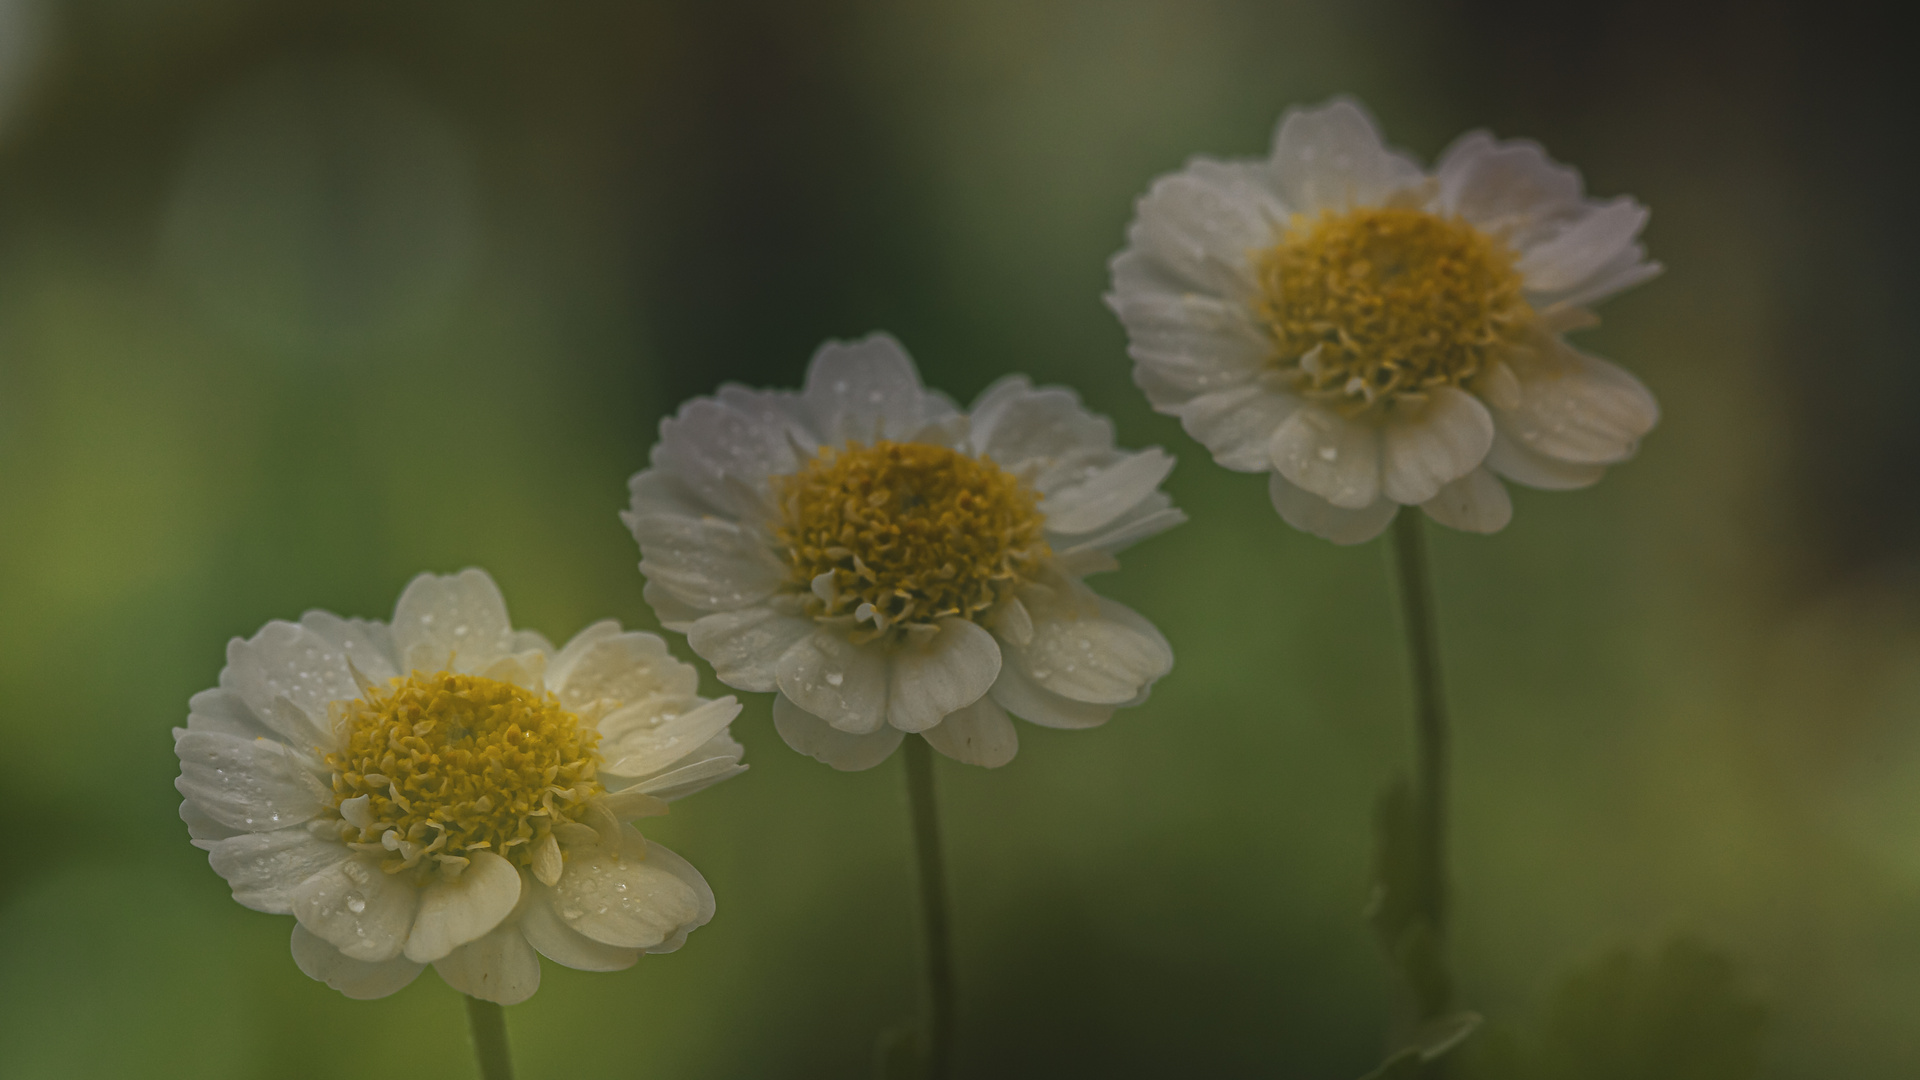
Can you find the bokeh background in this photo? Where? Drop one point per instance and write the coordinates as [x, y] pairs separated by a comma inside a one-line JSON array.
[[298, 300]]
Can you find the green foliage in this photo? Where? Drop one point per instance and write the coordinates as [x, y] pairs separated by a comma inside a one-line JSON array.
[[1683, 1015]]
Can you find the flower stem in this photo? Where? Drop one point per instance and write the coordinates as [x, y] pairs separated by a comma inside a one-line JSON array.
[[933, 907], [489, 1024], [1430, 730]]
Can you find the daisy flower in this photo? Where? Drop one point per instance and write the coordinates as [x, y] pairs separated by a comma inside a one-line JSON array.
[[1374, 335], [451, 791], [891, 565]]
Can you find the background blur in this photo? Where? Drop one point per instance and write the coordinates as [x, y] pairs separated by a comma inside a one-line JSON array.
[[297, 301]]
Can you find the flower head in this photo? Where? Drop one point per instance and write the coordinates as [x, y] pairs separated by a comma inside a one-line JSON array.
[[890, 564], [451, 791], [1373, 335]]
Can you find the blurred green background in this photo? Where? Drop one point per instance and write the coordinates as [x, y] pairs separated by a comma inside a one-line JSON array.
[[297, 301]]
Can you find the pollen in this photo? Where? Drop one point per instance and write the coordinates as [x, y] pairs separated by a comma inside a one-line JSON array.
[[438, 767], [904, 534], [1372, 304]]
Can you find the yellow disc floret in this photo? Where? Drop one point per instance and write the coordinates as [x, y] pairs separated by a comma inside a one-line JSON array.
[[1372, 303], [454, 764], [910, 533]]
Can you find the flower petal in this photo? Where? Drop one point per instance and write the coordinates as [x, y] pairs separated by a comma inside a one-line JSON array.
[[827, 744], [1310, 513], [864, 390], [453, 913], [620, 670], [1477, 502], [706, 562], [287, 675], [716, 457], [1030, 431], [1018, 694], [1107, 493], [258, 785], [1423, 452], [1237, 426], [624, 898], [840, 682], [1582, 249], [1329, 455], [980, 734], [949, 671], [1331, 157], [1522, 466], [745, 646], [265, 868], [659, 740], [718, 759], [369, 645], [562, 944], [223, 711], [1201, 223], [673, 864], [1580, 409], [357, 979], [1512, 189], [1184, 343], [499, 967], [358, 908], [1096, 650], [456, 622]]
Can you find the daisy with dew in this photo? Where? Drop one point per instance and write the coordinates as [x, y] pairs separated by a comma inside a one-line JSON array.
[[1376, 335], [451, 791], [891, 565]]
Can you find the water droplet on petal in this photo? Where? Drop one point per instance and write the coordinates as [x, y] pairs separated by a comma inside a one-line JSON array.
[[834, 678]]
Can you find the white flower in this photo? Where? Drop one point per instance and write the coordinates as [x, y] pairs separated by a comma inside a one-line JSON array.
[[1373, 335], [465, 814], [889, 564]]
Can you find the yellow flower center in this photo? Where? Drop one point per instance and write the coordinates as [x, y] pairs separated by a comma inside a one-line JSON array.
[[453, 764], [910, 533], [1369, 304]]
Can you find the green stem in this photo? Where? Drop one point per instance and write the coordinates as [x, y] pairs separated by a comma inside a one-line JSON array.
[[933, 907], [1429, 726], [489, 1024]]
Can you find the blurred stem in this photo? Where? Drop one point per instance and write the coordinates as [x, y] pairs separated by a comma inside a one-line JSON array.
[[933, 907], [1429, 728], [489, 1024]]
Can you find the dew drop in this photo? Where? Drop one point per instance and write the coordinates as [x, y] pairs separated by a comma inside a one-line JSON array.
[[1328, 453], [356, 903], [834, 678]]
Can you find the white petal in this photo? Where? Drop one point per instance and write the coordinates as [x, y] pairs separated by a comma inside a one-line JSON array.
[[716, 457], [1107, 494], [674, 613], [865, 391], [1627, 269], [718, 760], [1329, 455], [1017, 693], [1201, 223], [358, 979], [1331, 157], [708, 563], [745, 646], [201, 826], [564, 945], [1576, 253], [223, 711], [1310, 513], [258, 785], [264, 869], [1029, 431], [979, 734], [1523, 466], [1476, 502], [623, 899], [1424, 451], [1512, 189], [840, 682], [1185, 343], [358, 908], [369, 645], [829, 745], [1237, 426], [1094, 650], [457, 622], [453, 913], [287, 675], [500, 967], [949, 671], [1580, 409], [661, 740], [664, 859], [620, 670]]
